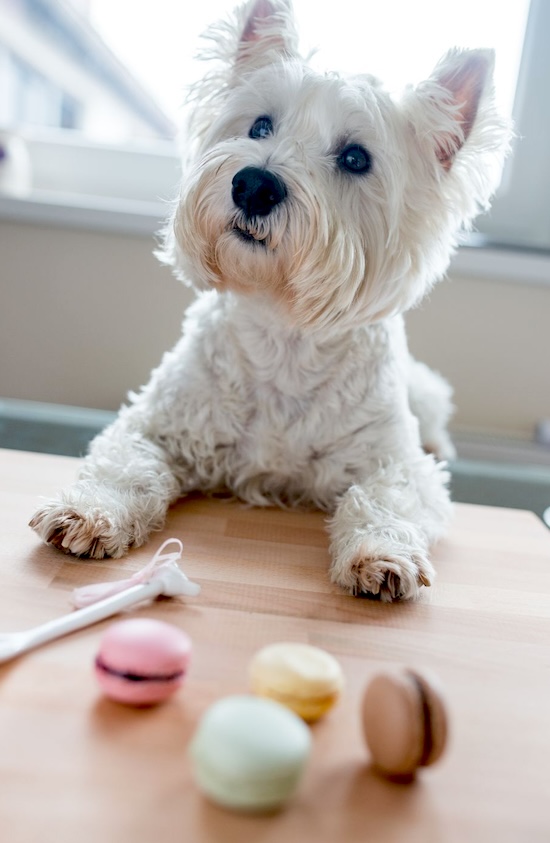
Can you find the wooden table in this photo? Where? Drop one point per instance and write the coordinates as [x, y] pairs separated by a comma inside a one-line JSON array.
[[76, 768]]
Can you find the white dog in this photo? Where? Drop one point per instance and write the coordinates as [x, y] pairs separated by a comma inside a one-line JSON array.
[[314, 211]]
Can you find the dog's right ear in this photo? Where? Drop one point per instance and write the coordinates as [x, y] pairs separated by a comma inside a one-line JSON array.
[[267, 32]]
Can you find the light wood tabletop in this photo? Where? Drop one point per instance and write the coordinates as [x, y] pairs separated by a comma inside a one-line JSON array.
[[77, 768]]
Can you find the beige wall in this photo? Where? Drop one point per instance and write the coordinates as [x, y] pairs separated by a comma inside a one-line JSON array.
[[491, 340], [84, 316]]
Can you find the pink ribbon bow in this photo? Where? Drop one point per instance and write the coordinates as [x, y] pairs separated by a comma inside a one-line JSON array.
[[163, 566]]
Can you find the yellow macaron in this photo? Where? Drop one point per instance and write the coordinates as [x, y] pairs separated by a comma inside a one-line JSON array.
[[306, 679]]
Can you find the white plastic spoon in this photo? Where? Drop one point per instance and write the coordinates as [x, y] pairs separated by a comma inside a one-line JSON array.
[[167, 580]]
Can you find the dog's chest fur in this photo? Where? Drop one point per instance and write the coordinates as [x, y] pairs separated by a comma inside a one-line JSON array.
[[274, 413]]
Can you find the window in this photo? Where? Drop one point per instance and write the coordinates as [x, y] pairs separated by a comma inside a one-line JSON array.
[[521, 212], [359, 40], [79, 65], [57, 71]]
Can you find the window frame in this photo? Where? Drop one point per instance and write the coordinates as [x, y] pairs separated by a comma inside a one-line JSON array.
[[520, 215]]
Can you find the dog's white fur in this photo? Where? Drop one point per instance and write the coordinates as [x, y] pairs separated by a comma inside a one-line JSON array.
[[292, 382]]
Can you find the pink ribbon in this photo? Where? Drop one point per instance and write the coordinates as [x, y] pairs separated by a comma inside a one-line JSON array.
[[88, 594]]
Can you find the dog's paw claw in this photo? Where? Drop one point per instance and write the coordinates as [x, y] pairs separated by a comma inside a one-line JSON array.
[[423, 579], [389, 579], [90, 534]]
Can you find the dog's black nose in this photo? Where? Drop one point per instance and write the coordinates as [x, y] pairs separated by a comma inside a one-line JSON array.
[[257, 191]]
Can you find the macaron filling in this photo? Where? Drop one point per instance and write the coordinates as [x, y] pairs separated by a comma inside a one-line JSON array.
[[427, 726], [300, 701], [136, 677]]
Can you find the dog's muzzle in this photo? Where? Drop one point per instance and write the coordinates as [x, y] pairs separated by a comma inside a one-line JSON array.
[[256, 191]]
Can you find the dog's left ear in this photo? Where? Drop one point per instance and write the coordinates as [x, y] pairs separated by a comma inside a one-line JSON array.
[[451, 99], [267, 31]]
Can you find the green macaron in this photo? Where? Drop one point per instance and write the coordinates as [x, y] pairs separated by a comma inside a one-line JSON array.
[[248, 753]]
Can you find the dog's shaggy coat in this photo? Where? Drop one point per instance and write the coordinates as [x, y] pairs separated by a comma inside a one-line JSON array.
[[313, 212]]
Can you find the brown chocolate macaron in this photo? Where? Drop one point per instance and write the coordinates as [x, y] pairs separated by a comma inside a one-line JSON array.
[[405, 722]]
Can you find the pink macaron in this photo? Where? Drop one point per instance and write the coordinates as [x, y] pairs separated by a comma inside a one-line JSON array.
[[142, 661]]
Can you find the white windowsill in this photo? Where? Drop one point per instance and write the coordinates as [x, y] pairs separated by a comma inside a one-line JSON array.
[[145, 218], [501, 264], [92, 213]]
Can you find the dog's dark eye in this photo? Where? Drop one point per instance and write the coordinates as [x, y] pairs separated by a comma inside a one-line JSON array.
[[262, 127], [355, 159]]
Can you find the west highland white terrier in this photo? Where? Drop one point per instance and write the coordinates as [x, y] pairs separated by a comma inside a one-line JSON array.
[[315, 209]]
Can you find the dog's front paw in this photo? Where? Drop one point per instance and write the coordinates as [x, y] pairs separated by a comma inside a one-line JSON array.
[[384, 576], [81, 530]]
